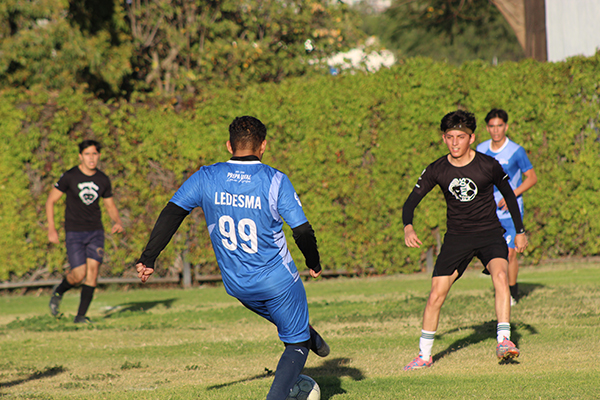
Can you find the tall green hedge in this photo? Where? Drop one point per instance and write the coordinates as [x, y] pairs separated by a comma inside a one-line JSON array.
[[353, 146]]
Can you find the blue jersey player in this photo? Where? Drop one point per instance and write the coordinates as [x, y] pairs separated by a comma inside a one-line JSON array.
[[516, 164], [245, 203]]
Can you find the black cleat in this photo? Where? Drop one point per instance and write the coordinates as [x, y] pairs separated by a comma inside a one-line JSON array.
[[82, 319], [318, 345], [55, 300]]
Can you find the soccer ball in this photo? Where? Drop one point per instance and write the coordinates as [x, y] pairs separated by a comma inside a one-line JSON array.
[[305, 388]]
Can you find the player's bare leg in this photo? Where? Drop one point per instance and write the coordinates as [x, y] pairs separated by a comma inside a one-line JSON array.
[[440, 286], [76, 275], [92, 268], [498, 268], [513, 273]]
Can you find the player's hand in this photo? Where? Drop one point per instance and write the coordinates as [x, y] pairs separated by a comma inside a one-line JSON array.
[[502, 204], [53, 236], [117, 228], [314, 274], [521, 242], [143, 272], [410, 237]]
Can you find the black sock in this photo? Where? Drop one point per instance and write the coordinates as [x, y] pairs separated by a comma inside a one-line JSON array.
[[87, 294], [290, 365], [63, 287], [514, 291]]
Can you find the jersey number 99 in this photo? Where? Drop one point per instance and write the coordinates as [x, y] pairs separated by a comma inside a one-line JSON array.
[[230, 240]]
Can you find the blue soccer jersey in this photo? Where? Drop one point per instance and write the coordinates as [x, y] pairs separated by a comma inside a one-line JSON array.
[[515, 162], [245, 204]]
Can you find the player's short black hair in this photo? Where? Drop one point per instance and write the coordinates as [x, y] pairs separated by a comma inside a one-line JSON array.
[[459, 120], [496, 113], [88, 143], [246, 133]]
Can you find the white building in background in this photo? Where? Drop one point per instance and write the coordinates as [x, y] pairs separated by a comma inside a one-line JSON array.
[[572, 28], [375, 5], [361, 59]]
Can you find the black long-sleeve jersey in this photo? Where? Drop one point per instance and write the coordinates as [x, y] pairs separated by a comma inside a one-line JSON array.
[[469, 193]]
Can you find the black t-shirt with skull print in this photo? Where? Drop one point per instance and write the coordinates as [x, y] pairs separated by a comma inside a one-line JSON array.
[[469, 193], [83, 193]]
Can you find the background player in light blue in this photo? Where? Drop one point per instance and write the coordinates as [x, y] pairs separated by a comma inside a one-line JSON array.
[[516, 164], [245, 203]]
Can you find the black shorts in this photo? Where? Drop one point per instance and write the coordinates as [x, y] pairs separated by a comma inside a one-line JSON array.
[[84, 245], [458, 251]]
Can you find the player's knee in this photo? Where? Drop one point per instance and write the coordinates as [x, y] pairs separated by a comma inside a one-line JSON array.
[[77, 275], [436, 299]]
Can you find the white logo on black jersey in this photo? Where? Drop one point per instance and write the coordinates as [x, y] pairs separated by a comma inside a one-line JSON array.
[[464, 189], [88, 192]]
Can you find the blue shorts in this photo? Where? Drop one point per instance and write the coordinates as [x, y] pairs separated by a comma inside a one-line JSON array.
[[84, 245], [288, 311], [510, 233]]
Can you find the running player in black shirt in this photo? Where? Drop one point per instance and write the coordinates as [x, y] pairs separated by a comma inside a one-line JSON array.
[[84, 186], [467, 179]]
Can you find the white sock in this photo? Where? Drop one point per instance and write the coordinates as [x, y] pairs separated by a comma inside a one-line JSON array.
[[503, 331], [426, 344]]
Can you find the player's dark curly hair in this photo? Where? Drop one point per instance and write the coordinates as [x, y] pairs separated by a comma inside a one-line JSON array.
[[88, 143], [458, 119], [246, 133], [496, 113]]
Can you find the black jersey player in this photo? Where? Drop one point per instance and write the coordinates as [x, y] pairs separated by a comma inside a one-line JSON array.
[[84, 185], [467, 179]]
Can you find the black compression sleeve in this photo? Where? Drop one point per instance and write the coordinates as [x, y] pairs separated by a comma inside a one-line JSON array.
[[513, 206], [166, 225], [305, 238], [408, 209]]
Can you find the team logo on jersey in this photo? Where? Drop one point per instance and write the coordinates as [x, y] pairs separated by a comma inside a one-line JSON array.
[[239, 176], [464, 189], [88, 192]]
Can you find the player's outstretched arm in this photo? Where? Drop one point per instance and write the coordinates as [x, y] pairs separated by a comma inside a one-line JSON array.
[[410, 237], [143, 272], [166, 225]]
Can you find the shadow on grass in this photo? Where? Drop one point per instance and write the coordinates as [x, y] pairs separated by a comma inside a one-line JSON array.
[[265, 374], [141, 306], [46, 373], [327, 376], [481, 333], [47, 323], [525, 289]]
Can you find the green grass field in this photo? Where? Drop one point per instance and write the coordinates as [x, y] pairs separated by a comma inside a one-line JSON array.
[[181, 344]]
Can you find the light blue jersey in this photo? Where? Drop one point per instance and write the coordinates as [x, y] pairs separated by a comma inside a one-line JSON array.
[[245, 204], [515, 162]]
